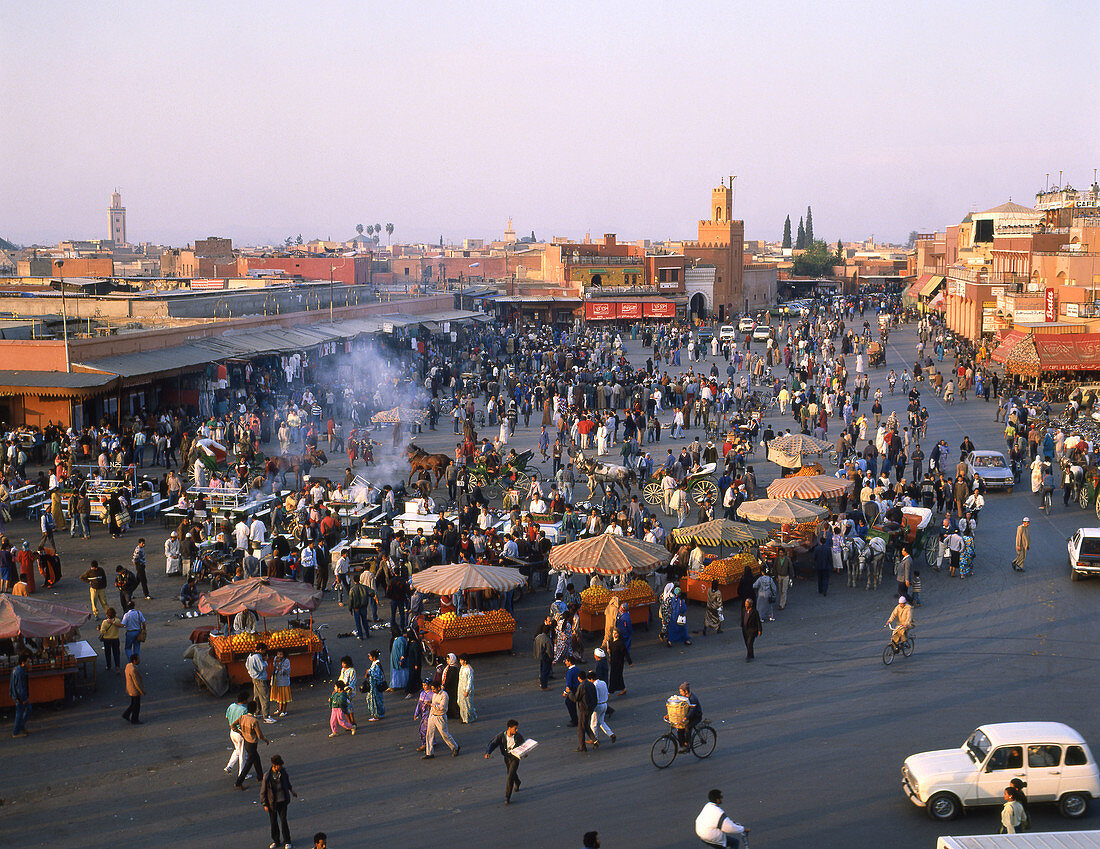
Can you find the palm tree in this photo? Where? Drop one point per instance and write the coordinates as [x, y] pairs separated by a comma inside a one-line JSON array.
[[359, 229], [378, 229], [370, 229], [389, 233]]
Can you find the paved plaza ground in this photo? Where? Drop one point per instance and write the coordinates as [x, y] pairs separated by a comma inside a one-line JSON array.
[[811, 736]]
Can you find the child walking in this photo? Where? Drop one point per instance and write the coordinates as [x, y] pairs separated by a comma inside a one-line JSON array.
[[338, 718], [280, 681]]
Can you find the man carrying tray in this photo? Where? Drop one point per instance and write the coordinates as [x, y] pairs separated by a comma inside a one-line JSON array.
[[513, 746]]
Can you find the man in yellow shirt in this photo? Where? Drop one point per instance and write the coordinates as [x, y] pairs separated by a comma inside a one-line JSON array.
[[900, 621]]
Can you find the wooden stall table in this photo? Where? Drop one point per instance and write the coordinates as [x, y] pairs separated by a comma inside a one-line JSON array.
[[727, 571], [473, 633], [47, 681], [85, 655], [638, 597], [300, 646]]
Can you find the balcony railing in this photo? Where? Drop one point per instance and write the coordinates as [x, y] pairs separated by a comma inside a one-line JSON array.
[[588, 259]]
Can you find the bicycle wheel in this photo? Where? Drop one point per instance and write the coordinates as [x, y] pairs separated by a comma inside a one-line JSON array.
[[908, 645], [888, 654], [664, 750], [703, 741]]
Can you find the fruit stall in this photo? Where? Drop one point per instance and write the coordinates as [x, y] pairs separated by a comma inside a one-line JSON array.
[[727, 571], [299, 644], [638, 596], [470, 633], [47, 631]]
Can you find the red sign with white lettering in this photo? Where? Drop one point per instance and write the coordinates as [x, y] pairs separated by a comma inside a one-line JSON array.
[[599, 310], [659, 309], [630, 309], [1052, 306]]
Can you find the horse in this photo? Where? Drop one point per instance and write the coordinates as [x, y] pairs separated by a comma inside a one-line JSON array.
[[421, 460], [601, 473]]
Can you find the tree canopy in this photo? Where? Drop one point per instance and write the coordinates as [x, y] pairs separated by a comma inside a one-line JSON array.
[[787, 232], [817, 261]]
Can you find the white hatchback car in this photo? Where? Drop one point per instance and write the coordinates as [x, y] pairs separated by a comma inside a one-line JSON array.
[[746, 324], [1051, 757], [727, 333]]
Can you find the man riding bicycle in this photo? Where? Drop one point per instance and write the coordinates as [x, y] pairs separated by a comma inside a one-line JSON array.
[[715, 828], [900, 621], [694, 717]]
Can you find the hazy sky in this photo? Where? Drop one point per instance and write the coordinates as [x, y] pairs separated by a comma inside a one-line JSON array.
[[261, 120]]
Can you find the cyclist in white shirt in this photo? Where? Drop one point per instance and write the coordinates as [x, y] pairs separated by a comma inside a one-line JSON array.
[[714, 827]]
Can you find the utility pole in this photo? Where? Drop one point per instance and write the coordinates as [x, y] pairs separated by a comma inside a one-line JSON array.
[[64, 317], [331, 267]]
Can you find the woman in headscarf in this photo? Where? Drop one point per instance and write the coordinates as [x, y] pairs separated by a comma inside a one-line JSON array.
[[619, 655], [466, 690], [745, 585], [713, 617], [766, 592], [663, 611], [399, 661], [610, 617], [376, 681], [625, 628], [563, 640], [677, 621], [450, 684], [422, 711]]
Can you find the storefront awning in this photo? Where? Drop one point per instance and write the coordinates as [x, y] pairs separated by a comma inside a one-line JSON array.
[[931, 286], [1061, 353], [56, 384]]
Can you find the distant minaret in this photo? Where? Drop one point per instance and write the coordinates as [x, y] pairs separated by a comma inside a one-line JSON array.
[[510, 233], [116, 220]]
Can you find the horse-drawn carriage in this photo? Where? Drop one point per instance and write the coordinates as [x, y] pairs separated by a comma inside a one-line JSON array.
[[918, 531], [697, 485], [511, 473], [876, 354]]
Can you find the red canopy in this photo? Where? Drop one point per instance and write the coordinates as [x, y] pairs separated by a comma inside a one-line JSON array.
[[1007, 344], [32, 617], [1073, 352], [266, 596]]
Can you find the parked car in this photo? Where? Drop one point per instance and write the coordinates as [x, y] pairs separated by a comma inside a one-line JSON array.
[[992, 467], [762, 332], [705, 334], [745, 324], [1051, 757], [727, 333], [1084, 554]]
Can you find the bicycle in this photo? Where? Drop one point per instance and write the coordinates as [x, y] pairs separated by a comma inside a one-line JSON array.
[[665, 748], [321, 660], [905, 647], [1045, 502]]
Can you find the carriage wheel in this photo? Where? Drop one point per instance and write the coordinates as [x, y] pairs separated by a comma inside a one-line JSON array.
[[493, 488], [931, 548], [478, 479], [1083, 498], [1098, 508], [522, 481], [701, 490], [651, 492], [834, 458]]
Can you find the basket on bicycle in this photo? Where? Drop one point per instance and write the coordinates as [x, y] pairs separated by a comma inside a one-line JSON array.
[[678, 708]]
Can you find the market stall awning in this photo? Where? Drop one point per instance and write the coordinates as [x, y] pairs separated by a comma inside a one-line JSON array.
[[31, 617], [608, 554], [399, 414], [809, 486], [781, 510], [720, 532], [264, 596], [932, 285], [456, 577], [151, 363]]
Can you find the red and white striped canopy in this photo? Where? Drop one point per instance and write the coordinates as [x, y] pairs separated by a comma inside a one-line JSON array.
[[608, 554], [456, 577]]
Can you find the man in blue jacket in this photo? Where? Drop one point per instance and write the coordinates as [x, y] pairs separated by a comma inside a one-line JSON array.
[[19, 690]]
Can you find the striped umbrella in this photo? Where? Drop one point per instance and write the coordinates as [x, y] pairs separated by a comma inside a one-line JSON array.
[[812, 486], [720, 532], [456, 577], [780, 511], [399, 414], [608, 554]]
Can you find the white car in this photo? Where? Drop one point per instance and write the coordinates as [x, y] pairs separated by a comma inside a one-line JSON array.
[[746, 324], [992, 467], [728, 333], [762, 333], [1084, 554], [1051, 757]]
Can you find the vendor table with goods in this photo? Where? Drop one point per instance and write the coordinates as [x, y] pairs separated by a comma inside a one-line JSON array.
[[470, 633], [50, 678], [638, 595], [299, 644], [727, 571]]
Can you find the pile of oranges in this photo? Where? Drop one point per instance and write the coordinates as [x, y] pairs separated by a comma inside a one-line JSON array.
[[291, 639], [728, 570], [449, 626], [595, 598]]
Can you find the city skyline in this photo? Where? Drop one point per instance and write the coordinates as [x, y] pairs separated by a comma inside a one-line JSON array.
[[566, 120]]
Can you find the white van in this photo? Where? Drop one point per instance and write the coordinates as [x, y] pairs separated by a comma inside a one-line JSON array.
[[728, 333], [1051, 757], [746, 324]]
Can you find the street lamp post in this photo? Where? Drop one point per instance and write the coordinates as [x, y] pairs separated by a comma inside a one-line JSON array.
[[64, 317], [331, 268]]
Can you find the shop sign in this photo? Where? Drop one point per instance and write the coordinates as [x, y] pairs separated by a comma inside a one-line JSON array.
[[1051, 313], [659, 309], [630, 309], [599, 310]]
